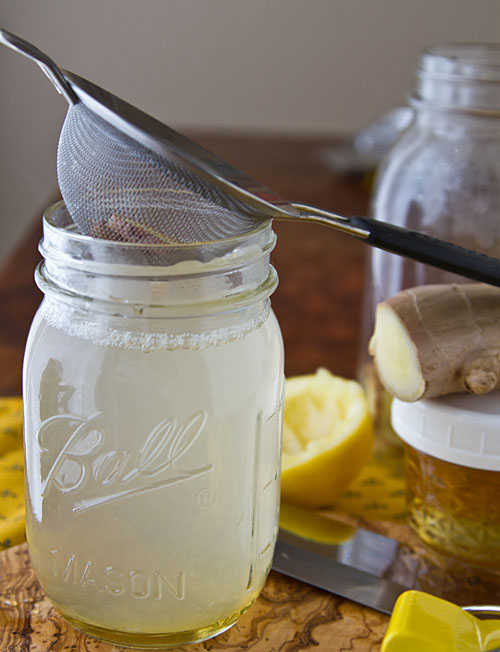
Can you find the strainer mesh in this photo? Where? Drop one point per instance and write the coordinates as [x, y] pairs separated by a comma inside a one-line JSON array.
[[115, 188]]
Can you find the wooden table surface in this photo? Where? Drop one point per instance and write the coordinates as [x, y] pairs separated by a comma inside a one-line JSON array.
[[318, 304]]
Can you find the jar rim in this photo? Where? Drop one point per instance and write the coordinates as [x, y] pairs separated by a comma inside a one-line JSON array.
[[63, 243], [473, 61], [58, 209], [463, 78]]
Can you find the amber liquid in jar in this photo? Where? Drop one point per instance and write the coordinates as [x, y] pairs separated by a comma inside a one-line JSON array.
[[454, 508]]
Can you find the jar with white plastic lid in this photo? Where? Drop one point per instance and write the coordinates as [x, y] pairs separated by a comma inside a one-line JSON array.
[[153, 383], [452, 460]]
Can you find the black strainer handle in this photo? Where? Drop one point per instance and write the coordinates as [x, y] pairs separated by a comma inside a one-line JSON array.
[[427, 249]]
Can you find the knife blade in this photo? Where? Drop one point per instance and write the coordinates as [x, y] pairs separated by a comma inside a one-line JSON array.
[[353, 569]]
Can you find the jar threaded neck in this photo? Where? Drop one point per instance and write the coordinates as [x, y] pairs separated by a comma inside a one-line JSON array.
[[460, 76]]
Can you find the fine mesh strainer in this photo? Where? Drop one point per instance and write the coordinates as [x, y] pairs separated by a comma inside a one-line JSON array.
[[125, 176], [115, 188]]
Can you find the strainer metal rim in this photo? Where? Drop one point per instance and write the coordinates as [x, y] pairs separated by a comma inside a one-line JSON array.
[[156, 136]]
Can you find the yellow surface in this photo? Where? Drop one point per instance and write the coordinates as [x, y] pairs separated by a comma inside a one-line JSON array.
[[311, 525], [379, 491], [423, 623], [327, 438], [11, 473]]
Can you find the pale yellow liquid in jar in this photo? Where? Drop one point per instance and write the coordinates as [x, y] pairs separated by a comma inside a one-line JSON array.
[[153, 475]]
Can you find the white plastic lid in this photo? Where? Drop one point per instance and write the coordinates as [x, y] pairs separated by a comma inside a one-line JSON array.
[[459, 428]]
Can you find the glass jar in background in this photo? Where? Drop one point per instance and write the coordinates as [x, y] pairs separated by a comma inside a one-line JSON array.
[[442, 177], [153, 384]]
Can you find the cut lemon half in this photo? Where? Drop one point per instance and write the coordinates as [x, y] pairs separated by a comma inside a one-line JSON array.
[[327, 438]]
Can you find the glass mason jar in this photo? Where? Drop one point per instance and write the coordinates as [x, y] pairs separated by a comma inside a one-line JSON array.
[[153, 384], [441, 177]]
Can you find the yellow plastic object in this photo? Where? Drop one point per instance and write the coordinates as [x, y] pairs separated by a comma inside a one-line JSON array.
[[423, 623], [311, 525]]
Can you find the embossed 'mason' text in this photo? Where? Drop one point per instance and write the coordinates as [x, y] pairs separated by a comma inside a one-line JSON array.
[[117, 474], [138, 584]]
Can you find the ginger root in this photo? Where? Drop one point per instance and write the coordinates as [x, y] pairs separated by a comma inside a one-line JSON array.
[[438, 339]]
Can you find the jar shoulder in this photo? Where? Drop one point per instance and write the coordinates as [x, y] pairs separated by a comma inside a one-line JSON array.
[[427, 179], [422, 150]]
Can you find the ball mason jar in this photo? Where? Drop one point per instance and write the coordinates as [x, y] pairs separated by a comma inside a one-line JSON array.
[[442, 177], [153, 415]]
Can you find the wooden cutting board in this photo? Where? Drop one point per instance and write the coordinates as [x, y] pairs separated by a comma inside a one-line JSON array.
[[288, 616]]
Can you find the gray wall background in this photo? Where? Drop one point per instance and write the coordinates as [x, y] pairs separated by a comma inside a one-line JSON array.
[[293, 67]]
